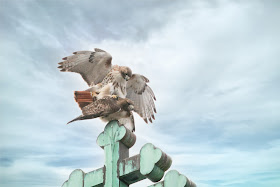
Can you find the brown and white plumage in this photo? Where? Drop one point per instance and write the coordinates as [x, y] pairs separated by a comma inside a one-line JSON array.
[[117, 79], [142, 96], [96, 68], [93, 66], [108, 109]]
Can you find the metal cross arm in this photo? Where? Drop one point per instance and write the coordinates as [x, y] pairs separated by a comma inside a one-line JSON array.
[[174, 178], [80, 179], [120, 170], [151, 163]]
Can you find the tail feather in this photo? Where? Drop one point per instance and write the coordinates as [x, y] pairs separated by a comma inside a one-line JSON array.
[[75, 119], [83, 98], [83, 117]]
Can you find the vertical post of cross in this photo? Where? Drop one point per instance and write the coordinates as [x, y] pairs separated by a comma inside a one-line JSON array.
[[115, 141]]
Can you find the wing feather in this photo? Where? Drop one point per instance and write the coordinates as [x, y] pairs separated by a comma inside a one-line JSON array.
[[149, 107], [93, 66], [103, 107], [142, 96], [98, 108]]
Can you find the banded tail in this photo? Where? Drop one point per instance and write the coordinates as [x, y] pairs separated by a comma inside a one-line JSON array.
[[83, 98]]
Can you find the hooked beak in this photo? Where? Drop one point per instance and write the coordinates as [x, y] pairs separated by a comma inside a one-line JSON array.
[[127, 78]]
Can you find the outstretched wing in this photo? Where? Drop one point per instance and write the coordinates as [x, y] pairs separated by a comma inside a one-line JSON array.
[[93, 66], [142, 96]]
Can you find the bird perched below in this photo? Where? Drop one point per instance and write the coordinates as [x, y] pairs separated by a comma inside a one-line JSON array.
[[86, 98], [105, 80], [109, 108]]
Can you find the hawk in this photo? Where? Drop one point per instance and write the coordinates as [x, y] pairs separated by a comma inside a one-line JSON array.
[[109, 108], [97, 70]]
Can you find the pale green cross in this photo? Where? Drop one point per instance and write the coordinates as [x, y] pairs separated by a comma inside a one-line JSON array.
[[120, 170]]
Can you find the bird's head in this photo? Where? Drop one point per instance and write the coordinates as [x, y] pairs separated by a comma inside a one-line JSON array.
[[130, 105], [125, 72], [126, 104]]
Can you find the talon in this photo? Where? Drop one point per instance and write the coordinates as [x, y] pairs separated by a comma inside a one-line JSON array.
[[115, 96]]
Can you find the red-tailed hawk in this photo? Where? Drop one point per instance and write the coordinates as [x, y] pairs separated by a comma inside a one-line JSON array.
[[108, 108], [96, 69]]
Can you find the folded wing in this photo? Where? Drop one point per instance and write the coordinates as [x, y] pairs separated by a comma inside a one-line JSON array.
[[103, 107], [142, 96], [93, 66], [98, 108]]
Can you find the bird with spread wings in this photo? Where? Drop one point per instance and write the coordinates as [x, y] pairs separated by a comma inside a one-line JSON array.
[[106, 79]]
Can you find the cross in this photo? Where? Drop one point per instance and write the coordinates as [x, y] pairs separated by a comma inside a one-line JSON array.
[[120, 170]]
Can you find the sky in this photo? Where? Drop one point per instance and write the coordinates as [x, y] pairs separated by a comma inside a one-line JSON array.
[[213, 65]]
